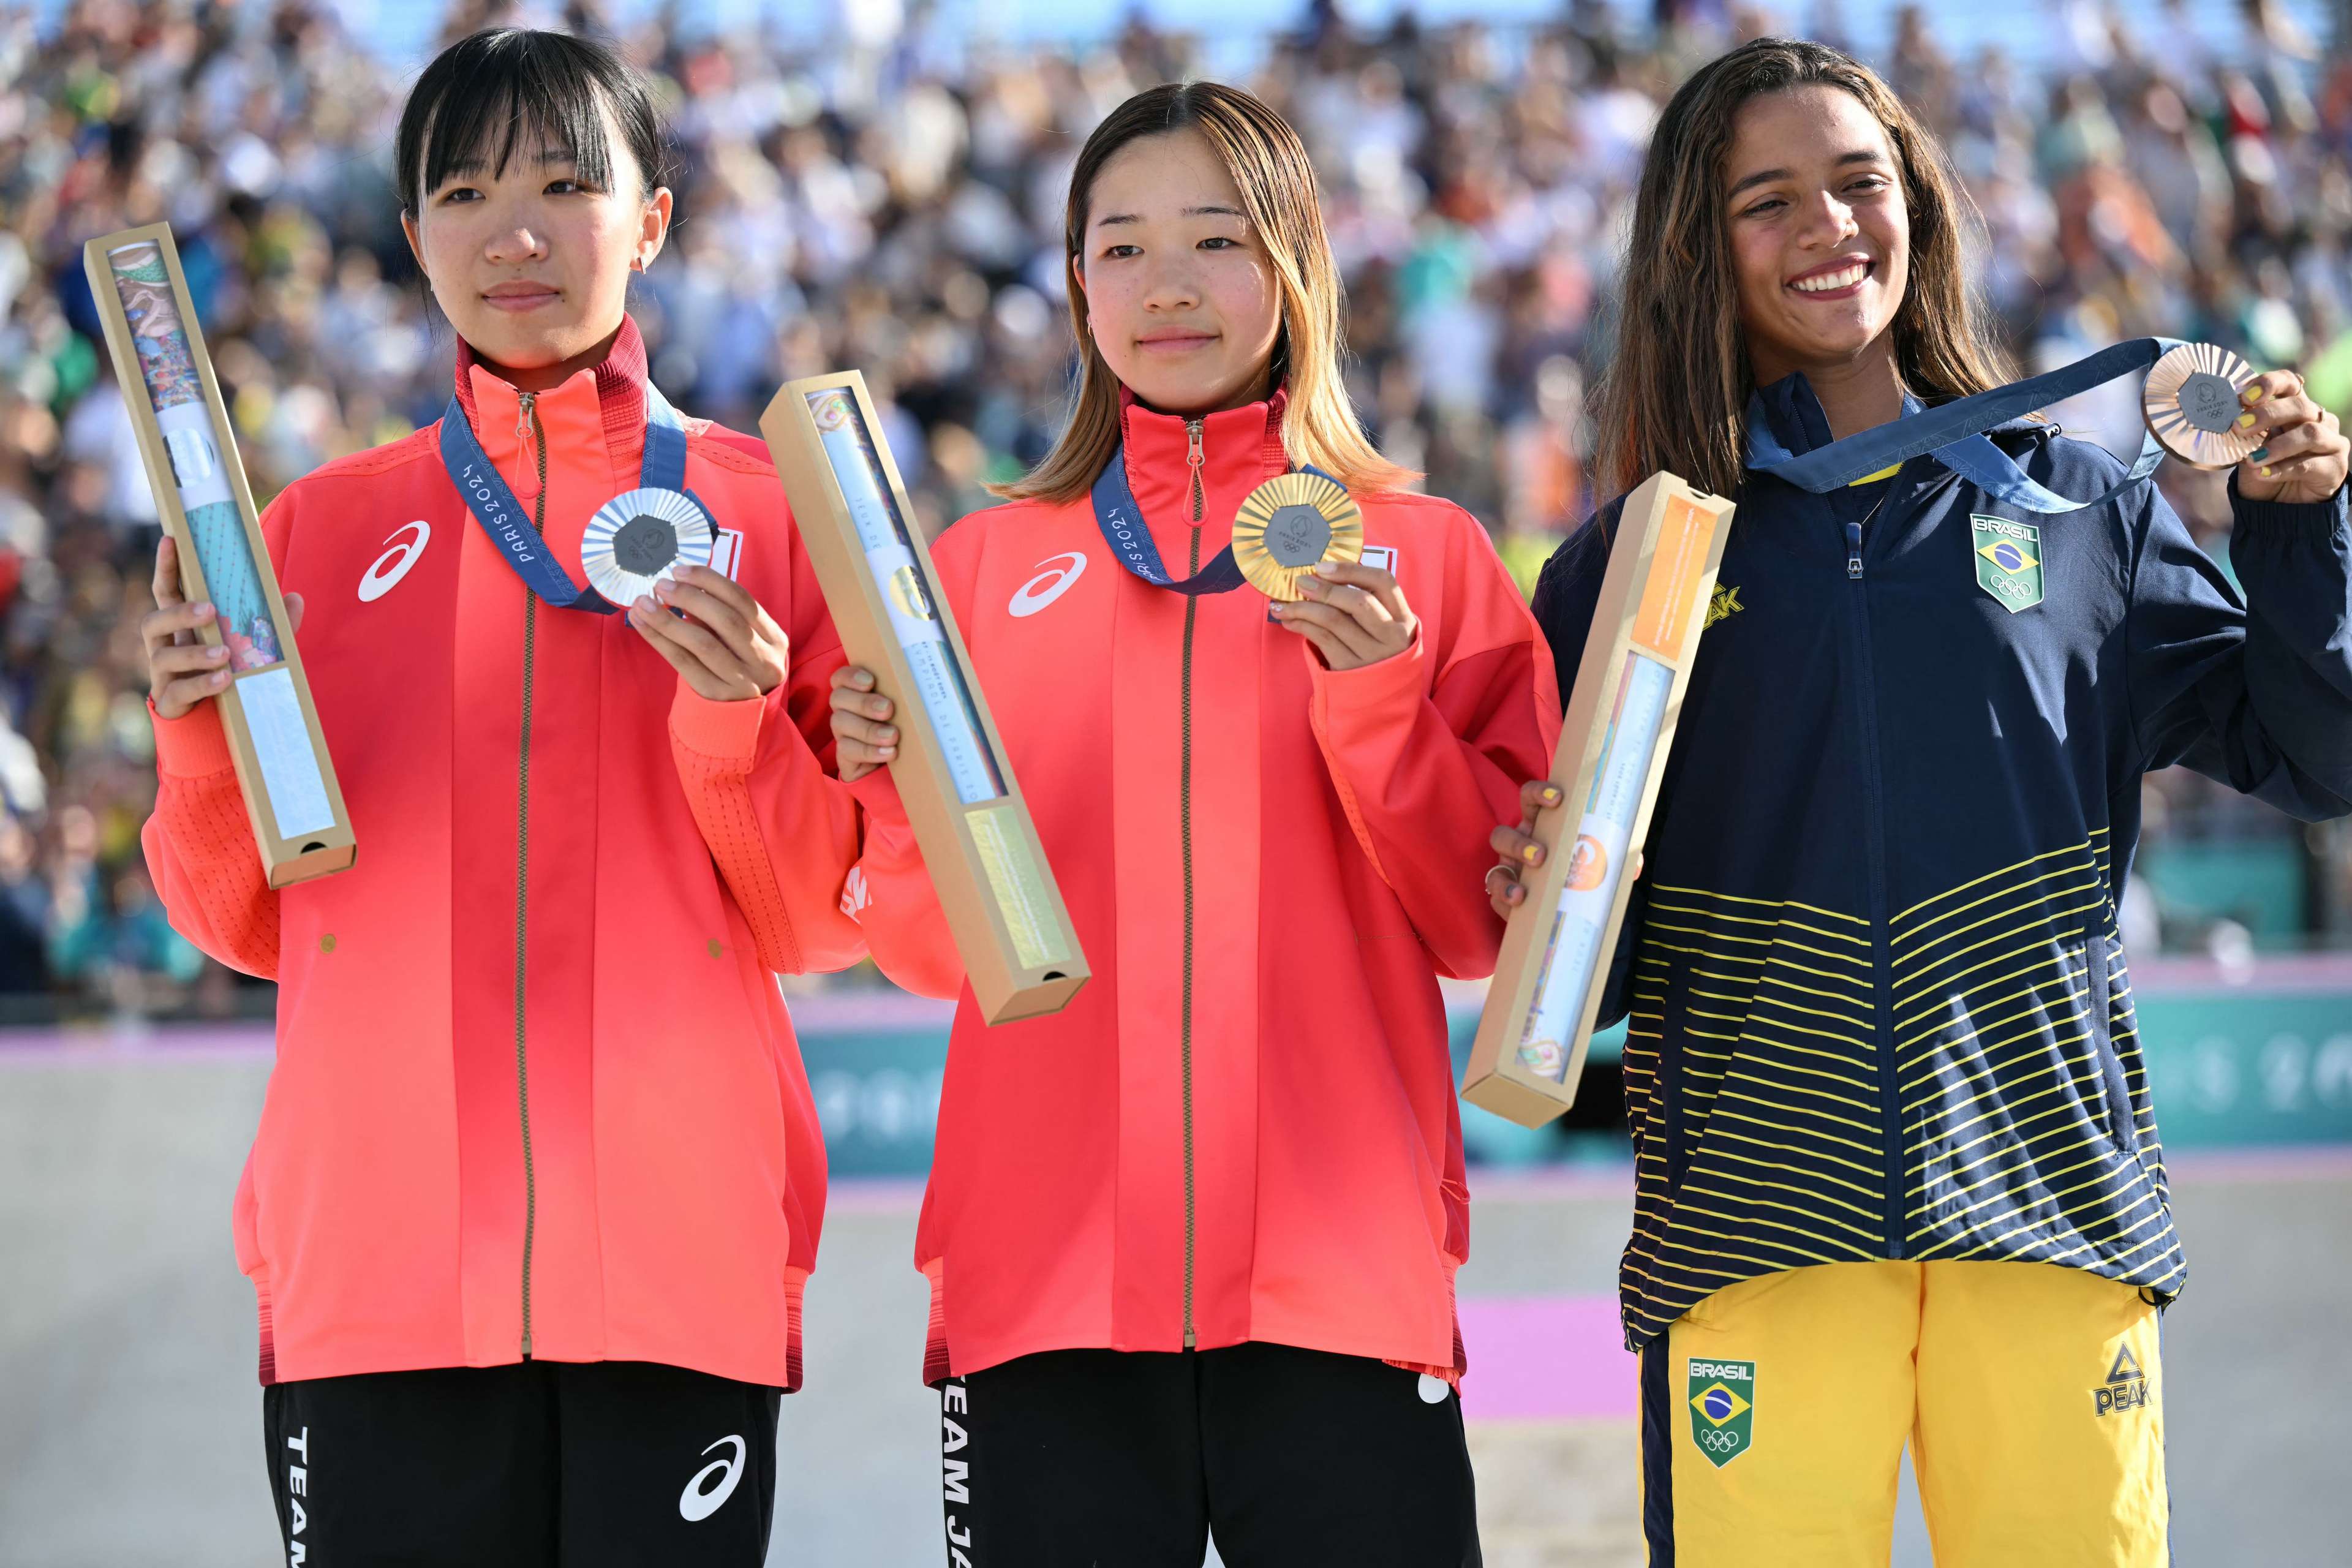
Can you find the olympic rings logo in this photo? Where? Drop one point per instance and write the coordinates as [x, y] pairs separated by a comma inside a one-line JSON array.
[[1720, 1442]]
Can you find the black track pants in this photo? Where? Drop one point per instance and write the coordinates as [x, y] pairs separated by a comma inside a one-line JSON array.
[[540, 1465], [1094, 1458]]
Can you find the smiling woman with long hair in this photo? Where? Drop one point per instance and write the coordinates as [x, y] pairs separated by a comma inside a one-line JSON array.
[[539, 1179], [1897, 1174], [1192, 1240]]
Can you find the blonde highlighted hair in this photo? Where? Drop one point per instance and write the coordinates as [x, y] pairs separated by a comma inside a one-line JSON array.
[[1270, 168]]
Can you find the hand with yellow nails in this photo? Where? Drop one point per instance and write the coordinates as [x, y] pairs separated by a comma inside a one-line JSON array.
[[2302, 454]]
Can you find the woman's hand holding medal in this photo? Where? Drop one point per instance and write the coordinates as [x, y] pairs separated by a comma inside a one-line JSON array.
[[1355, 615], [728, 648], [2303, 457]]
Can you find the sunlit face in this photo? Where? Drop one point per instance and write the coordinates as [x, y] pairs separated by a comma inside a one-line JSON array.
[[531, 264], [1180, 296], [1820, 239]]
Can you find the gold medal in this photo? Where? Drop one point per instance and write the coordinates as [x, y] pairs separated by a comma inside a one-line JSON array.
[[1291, 525], [2192, 407]]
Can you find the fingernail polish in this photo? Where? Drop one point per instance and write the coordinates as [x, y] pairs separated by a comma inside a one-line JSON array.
[[2266, 473], [2255, 392], [2245, 420], [2258, 454]]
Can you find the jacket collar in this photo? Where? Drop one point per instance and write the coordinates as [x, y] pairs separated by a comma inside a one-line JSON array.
[[1795, 414], [618, 381], [1241, 448]]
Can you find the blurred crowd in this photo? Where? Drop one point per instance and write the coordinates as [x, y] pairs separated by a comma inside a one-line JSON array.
[[892, 200]]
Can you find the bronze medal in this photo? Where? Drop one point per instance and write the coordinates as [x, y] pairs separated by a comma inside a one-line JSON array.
[[2192, 407]]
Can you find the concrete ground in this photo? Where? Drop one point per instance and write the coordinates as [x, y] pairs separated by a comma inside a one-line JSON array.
[[129, 1429]]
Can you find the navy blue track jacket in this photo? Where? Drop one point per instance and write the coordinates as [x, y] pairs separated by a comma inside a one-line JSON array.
[[1879, 1008]]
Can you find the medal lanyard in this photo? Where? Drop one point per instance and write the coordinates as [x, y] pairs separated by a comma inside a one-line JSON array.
[[1121, 521], [507, 522], [1953, 434]]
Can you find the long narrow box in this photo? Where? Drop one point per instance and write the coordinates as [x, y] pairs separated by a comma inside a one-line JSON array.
[[979, 844], [167, 380], [1613, 743]]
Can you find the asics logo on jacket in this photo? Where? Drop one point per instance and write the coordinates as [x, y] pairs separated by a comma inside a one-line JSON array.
[[1057, 575], [389, 568]]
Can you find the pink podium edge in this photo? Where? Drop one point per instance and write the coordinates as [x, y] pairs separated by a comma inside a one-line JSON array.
[[1545, 1358]]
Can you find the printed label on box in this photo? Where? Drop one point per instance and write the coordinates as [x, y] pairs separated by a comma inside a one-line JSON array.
[[1019, 884], [289, 769], [1572, 957]]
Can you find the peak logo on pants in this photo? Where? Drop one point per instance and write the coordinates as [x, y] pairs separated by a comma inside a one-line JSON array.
[[2125, 1388], [1055, 575]]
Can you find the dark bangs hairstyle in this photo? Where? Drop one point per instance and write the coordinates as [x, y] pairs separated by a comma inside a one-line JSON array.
[[506, 90], [1675, 393]]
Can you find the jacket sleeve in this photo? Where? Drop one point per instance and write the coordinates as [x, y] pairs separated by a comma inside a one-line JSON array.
[[759, 776], [1427, 749], [199, 843], [891, 896], [200, 847], [1567, 595], [2257, 696], [889, 891]]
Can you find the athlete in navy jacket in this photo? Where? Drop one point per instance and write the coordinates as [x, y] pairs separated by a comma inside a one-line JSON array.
[[1882, 1067]]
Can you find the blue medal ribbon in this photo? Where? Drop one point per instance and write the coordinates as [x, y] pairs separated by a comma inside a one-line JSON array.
[[1121, 521], [507, 522], [1953, 434]]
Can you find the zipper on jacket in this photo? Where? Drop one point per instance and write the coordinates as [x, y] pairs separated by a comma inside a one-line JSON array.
[[526, 427], [1185, 815], [1193, 458], [1874, 797]]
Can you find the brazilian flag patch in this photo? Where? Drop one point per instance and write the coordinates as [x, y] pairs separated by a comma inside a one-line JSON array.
[[1723, 1408], [2008, 561]]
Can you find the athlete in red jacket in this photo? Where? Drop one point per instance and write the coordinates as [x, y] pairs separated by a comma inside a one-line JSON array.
[[538, 1179], [1191, 1241]]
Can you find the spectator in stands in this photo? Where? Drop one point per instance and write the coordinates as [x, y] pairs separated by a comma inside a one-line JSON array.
[[892, 204]]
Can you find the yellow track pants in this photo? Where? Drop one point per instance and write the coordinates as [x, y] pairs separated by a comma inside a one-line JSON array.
[[1774, 1415]]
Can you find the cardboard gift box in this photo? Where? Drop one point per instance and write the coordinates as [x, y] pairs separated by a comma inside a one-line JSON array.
[[1614, 742], [291, 794], [983, 852]]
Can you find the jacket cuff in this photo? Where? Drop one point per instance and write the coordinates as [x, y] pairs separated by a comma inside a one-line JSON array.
[[1369, 690], [724, 732], [2319, 522], [877, 793], [193, 746]]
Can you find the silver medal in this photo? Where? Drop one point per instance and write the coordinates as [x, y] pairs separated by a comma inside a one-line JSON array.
[[641, 538]]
